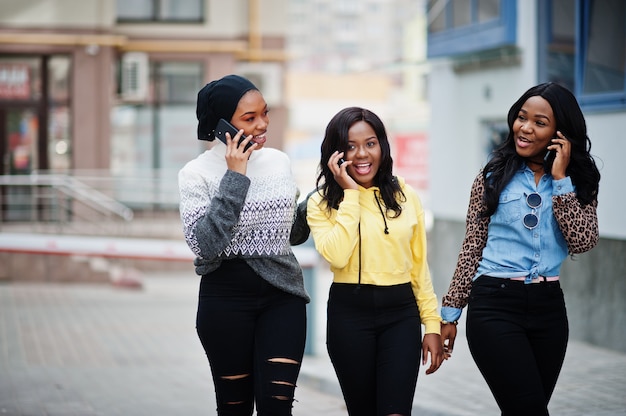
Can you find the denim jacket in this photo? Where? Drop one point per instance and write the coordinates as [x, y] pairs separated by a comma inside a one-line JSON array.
[[501, 246]]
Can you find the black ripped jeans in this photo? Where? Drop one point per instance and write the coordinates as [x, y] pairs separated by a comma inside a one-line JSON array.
[[254, 337], [517, 334]]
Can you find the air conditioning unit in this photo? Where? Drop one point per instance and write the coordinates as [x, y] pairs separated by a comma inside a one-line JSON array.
[[134, 76], [268, 78]]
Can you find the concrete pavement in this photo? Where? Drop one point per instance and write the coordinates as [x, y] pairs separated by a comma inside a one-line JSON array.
[[81, 349]]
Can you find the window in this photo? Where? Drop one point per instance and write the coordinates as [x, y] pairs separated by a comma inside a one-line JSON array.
[[469, 26], [603, 47], [560, 41], [177, 82], [26, 101], [20, 78], [495, 133], [583, 47], [59, 113], [159, 133], [163, 11], [461, 11], [487, 10]]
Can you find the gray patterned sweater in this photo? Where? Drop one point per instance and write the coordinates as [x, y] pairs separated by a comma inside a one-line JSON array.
[[227, 215]]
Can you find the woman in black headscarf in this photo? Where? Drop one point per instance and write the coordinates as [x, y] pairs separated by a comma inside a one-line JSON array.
[[238, 206]]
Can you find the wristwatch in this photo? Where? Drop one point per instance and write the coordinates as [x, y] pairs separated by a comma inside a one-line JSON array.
[[444, 322]]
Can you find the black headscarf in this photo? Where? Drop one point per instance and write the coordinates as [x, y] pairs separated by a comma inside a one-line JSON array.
[[219, 99]]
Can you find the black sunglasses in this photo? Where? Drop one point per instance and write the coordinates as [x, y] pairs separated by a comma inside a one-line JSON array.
[[533, 201]]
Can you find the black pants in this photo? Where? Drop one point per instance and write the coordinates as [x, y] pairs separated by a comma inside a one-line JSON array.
[[517, 334], [374, 339], [254, 337]]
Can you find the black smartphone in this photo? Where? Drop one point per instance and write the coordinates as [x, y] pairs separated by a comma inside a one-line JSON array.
[[340, 161], [548, 159], [224, 127], [550, 155]]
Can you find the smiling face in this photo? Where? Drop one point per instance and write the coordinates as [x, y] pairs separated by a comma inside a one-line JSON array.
[[534, 128], [251, 116], [365, 153]]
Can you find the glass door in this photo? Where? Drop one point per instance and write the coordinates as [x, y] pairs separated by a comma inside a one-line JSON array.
[[35, 126], [19, 151], [19, 141]]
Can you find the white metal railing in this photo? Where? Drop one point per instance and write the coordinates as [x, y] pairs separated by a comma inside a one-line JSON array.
[[84, 198], [140, 190], [51, 190], [143, 203]]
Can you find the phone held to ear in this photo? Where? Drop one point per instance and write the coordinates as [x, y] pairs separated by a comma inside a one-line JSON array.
[[340, 161], [224, 127], [548, 159]]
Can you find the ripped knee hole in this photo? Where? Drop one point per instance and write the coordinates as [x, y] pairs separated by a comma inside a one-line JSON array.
[[235, 377], [283, 360]]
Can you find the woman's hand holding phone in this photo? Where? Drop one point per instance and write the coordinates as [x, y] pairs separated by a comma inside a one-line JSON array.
[[562, 150], [224, 127], [238, 146], [338, 166]]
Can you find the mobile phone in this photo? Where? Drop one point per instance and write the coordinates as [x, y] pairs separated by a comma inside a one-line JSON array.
[[340, 161], [224, 127], [548, 159]]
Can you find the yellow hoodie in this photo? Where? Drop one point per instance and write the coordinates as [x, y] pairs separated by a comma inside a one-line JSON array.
[[386, 259]]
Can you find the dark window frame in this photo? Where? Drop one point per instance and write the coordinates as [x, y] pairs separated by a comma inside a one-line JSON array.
[[589, 102], [475, 37], [155, 18]]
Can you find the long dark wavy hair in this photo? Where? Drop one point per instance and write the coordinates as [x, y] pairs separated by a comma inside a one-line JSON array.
[[570, 121], [336, 138]]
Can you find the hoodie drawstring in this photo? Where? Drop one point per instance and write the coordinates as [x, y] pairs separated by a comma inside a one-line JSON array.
[[358, 285], [381, 211]]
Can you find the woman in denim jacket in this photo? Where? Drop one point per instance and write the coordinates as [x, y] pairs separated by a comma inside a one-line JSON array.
[[532, 205]]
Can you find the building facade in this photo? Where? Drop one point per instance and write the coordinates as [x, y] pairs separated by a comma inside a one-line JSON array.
[[367, 53], [111, 86]]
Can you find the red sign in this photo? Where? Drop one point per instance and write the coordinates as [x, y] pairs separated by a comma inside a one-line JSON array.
[[14, 82], [411, 158]]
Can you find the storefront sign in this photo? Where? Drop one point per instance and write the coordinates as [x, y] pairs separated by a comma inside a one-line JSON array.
[[411, 158], [14, 82]]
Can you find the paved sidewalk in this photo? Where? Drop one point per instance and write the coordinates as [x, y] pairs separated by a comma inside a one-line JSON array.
[[89, 350]]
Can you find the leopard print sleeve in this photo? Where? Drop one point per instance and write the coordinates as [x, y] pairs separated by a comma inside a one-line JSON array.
[[471, 249], [579, 224]]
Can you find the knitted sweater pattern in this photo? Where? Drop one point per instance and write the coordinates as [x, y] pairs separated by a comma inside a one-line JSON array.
[[227, 215]]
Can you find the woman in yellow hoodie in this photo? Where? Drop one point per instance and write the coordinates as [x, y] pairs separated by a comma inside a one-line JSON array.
[[369, 225]]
